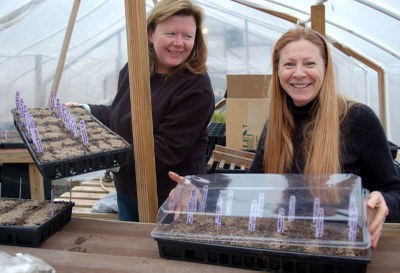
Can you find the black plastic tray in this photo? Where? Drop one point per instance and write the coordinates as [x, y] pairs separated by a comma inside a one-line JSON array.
[[35, 236], [14, 142], [79, 165], [216, 136], [260, 259]]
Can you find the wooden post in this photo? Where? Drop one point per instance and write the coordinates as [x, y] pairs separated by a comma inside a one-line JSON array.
[[142, 123], [36, 181], [318, 18], [64, 49]]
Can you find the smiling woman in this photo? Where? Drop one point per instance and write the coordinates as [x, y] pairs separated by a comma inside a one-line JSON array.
[[312, 129], [182, 101], [301, 71], [173, 41]]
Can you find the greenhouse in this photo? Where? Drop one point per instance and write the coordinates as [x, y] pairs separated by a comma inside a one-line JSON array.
[[72, 54]]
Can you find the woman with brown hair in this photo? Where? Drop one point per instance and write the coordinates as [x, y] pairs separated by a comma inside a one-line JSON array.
[[314, 130]]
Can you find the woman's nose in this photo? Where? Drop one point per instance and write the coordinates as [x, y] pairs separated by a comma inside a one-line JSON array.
[[178, 40], [298, 71]]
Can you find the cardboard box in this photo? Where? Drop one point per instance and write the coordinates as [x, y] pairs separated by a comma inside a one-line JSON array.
[[247, 107]]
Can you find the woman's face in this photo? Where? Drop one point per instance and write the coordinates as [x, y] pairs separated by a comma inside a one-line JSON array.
[[301, 71], [173, 41]]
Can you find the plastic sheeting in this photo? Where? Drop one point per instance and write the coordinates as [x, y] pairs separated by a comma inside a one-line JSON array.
[[239, 38]]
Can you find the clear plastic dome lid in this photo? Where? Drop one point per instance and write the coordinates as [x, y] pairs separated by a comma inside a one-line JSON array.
[[267, 211]]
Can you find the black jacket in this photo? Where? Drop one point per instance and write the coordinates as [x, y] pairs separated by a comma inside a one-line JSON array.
[[182, 107]]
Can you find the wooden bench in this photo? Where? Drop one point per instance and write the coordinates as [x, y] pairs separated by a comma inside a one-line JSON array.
[[225, 159], [85, 196]]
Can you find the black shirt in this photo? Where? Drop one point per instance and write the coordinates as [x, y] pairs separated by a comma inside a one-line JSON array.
[[364, 151], [182, 107]]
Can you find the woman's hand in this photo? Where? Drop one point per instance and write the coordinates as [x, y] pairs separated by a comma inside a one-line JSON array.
[[72, 103], [377, 211], [180, 195]]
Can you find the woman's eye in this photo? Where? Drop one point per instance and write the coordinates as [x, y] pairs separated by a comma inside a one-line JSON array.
[[188, 37], [310, 64], [288, 65], [170, 34]]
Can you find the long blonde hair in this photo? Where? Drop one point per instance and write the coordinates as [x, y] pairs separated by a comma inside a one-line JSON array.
[[196, 62], [321, 133]]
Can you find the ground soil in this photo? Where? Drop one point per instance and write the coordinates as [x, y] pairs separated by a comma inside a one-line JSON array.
[[15, 212], [236, 228], [59, 143]]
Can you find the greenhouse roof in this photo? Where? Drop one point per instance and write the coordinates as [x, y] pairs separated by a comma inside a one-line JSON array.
[[240, 36]]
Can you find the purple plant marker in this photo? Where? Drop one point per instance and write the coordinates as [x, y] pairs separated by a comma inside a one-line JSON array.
[[58, 105], [26, 116], [319, 227], [21, 107], [17, 100], [31, 122], [280, 227], [218, 213], [83, 133], [64, 114], [253, 216], [203, 201], [74, 127], [292, 208], [37, 140], [33, 136], [52, 100]]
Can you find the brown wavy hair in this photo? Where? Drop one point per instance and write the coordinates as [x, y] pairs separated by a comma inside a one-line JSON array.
[[321, 133], [196, 62]]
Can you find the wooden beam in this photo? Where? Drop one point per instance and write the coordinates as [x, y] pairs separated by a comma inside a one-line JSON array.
[[281, 15], [36, 182], [347, 51], [142, 123], [318, 18], [64, 49], [381, 79], [15, 156]]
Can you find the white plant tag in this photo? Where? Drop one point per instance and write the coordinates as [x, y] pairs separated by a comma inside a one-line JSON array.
[[203, 201], [253, 216], [218, 212], [280, 227], [292, 208], [229, 200], [192, 206], [319, 226], [260, 205], [353, 216], [316, 208]]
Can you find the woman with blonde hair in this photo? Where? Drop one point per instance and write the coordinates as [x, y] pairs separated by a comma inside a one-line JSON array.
[[182, 101], [312, 129]]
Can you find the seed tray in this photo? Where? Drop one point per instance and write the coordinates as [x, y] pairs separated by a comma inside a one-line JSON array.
[[84, 162], [281, 223], [260, 259], [10, 139], [34, 236]]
